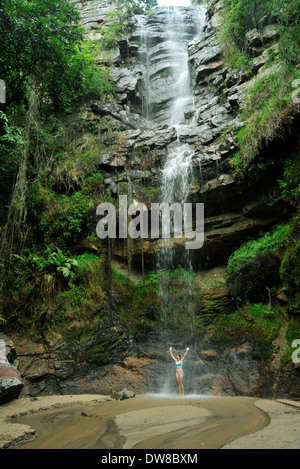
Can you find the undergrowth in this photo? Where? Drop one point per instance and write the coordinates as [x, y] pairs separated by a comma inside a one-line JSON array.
[[251, 323]]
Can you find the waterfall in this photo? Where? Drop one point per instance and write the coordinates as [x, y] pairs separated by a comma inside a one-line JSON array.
[[164, 39], [163, 54]]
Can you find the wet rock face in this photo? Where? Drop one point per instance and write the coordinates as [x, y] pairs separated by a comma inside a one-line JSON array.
[[57, 366], [93, 12], [208, 370], [140, 367], [205, 56], [147, 86], [158, 36]]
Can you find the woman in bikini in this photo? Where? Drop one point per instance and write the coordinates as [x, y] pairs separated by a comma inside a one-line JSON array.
[[179, 370]]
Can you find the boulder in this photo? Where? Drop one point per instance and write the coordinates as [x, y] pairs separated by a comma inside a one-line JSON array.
[[126, 80], [259, 61], [190, 133], [203, 71], [253, 38], [139, 174], [270, 32], [109, 57], [10, 383], [109, 162], [159, 137], [208, 54], [119, 112], [121, 395], [256, 38], [233, 100], [256, 51], [10, 378]]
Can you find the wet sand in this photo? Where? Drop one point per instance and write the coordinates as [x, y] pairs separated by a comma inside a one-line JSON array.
[[150, 422], [145, 422]]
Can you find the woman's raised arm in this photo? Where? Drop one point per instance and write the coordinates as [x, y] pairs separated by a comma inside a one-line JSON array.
[[186, 351], [172, 354]]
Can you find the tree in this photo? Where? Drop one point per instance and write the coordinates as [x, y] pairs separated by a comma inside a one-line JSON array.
[[48, 68], [41, 47], [37, 39]]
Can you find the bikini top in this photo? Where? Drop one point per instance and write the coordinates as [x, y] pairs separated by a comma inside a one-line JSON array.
[[178, 364]]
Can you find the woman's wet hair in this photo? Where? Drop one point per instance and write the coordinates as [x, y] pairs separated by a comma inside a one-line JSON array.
[[178, 355]]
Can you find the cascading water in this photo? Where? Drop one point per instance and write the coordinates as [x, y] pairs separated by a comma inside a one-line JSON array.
[[163, 54], [167, 95]]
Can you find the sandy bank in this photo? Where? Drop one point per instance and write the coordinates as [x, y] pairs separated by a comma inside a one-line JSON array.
[[150, 422], [12, 433], [283, 431]]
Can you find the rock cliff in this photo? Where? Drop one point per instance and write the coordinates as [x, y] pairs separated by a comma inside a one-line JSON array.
[[236, 207], [134, 161]]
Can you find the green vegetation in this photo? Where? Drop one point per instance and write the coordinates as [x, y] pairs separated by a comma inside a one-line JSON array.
[[268, 111], [50, 289], [292, 333], [256, 322], [264, 267], [117, 20], [290, 268], [290, 182], [42, 48], [179, 300], [276, 257], [288, 13], [98, 355], [50, 184], [51, 263], [270, 243], [241, 16], [54, 72], [269, 108], [138, 304], [114, 29], [168, 298]]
